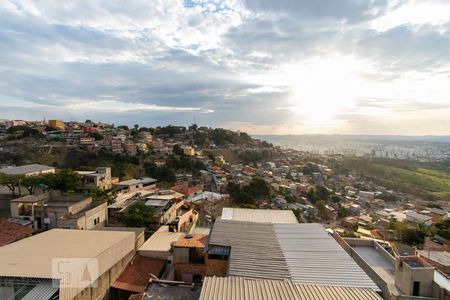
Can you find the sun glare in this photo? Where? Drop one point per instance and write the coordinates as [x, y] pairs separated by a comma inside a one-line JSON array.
[[324, 88]]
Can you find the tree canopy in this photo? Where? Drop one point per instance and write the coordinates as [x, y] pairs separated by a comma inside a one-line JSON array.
[[138, 215]]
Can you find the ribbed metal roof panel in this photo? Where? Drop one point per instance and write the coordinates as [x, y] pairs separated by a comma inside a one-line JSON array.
[[258, 215], [43, 290], [305, 253], [255, 251], [314, 257], [240, 288]]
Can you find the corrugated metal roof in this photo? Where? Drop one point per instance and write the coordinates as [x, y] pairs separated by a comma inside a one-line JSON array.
[[240, 288], [145, 180], [20, 170], [255, 251], [304, 253], [314, 257], [42, 291], [258, 215], [156, 202]]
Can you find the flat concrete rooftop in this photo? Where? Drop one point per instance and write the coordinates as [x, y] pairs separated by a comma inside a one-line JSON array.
[[379, 264]]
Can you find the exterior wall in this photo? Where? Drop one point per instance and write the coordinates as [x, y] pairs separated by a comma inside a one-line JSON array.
[[362, 263], [100, 288], [216, 267], [14, 209], [194, 269], [171, 213], [134, 188], [78, 206], [85, 221], [140, 240], [405, 277], [48, 171], [185, 224], [99, 212], [56, 124], [181, 255]]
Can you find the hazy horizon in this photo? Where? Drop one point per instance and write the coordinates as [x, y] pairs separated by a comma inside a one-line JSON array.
[[265, 67]]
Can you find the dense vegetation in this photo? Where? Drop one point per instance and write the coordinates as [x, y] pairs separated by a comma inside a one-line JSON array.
[[65, 180], [254, 156], [256, 188], [138, 215], [427, 180]]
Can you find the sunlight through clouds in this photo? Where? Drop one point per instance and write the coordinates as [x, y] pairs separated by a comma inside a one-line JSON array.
[[289, 66]]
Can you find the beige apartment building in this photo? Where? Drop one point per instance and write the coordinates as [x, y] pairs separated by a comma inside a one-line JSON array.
[[52, 210]]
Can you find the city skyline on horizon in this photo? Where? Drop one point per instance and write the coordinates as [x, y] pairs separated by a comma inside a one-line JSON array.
[[288, 67]]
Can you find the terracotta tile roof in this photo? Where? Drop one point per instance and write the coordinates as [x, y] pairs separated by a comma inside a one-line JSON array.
[[196, 241], [135, 277], [10, 232], [187, 190]]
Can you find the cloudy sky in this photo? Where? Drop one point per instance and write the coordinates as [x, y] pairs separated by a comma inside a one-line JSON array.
[[262, 66]]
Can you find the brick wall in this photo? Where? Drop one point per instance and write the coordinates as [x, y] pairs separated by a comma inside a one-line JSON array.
[[216, 267]]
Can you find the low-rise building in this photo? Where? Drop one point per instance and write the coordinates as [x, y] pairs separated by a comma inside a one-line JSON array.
[[64, 264], [366, 196], [134, 185], [187, 150], [258, 215], [28, 170], [52, 210], [57, 124], [100, 179], [159, 245], [189, 258], [130, 148], [413, 217]]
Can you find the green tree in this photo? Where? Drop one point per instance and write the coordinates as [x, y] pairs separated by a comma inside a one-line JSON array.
[[65, 180], [257, 188], [343, 212], [443, 229], [97, 136], [311, 196], [412, 236], [162, 173], [298, 214], [31, 183], [177, 150], [101, 196], [12, 182], [138, 215], [124, 127], [310, 168], [193, 127]]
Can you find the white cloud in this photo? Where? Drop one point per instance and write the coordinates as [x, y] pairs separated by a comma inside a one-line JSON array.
[[417, 13], [288, 66]]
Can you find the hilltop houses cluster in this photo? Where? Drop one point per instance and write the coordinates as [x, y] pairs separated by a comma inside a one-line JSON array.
[[287, 226]]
